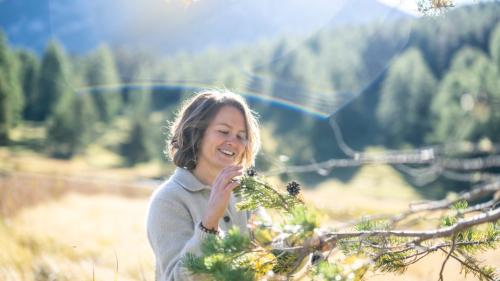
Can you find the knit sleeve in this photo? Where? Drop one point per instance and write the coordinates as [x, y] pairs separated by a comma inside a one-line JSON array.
[[172, 233]]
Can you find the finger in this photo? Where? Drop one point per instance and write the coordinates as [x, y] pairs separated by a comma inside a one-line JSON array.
[[230, 173], [231, 177], [231, 168], [226, 176], [223, 184], [231, 186], [223, 174]]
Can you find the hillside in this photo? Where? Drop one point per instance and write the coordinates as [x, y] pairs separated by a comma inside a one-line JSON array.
[[171, 27]]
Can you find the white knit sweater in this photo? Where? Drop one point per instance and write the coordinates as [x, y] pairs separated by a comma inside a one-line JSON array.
[[176, 208]]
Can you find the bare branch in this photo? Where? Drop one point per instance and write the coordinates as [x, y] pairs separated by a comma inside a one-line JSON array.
[[474, 194], [477, 192], [462, 224], [436, 159], [441, 278]]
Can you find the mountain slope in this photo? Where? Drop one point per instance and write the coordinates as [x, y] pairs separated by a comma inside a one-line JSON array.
[[171, 26]]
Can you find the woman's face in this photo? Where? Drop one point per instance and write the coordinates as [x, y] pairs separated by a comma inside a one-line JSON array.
[[224, 140]]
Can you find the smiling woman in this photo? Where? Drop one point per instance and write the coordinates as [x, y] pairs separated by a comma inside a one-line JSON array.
[[223, 143], [213, 139]]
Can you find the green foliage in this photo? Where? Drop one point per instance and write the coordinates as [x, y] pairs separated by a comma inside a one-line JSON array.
[[235, 254], [285, 261], [326, 271], [495, 46], [448, 221], [440, 38], [488, 237], [233, 242], [28, 76], [331, 65], [284, 252], [100, 73], [392, 262], [298, 228], [71, 127], [230, 258], [138, 146], [368, 225], [454, 214], [460, 205], [407, 90], [11, 98], [356, 247], [53, 83], [472, 266], [255, 193], [463, 107], [305, 217], [139, 98]]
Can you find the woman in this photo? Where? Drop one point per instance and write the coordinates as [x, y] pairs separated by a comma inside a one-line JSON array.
[[212, 140]]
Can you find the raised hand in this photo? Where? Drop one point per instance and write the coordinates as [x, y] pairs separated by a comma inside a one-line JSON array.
[[220, 194]]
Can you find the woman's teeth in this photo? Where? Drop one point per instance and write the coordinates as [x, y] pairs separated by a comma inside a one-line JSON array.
[[226, 152]]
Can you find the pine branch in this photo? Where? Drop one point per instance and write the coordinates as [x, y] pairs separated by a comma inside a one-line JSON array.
[[256, 193], [374, 241], [473, 267]]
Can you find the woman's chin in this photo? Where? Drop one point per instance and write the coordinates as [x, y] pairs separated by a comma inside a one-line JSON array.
[[226, 162]]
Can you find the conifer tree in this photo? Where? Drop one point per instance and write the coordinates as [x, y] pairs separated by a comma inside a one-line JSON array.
[[495, 46], [53, 82], [11, 99], [138, 146], [71, 127], [464, 107], [101, 73], [139, 97], [495, 94], [71, 123], [404, 105], [28, 75]]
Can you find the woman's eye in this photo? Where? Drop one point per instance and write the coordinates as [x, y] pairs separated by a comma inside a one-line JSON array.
[[223, 132]]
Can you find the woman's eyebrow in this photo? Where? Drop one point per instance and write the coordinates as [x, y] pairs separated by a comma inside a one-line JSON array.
[[227, 125]]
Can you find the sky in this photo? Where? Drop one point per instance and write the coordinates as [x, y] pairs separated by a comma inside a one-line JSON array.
[[410, 6]]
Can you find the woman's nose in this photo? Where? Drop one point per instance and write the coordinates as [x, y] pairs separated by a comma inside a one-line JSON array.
[[233, 139]]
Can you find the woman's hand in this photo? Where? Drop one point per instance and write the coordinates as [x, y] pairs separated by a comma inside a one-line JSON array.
[[220, 194]]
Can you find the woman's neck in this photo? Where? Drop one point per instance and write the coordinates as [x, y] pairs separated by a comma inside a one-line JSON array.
[[205, 174]]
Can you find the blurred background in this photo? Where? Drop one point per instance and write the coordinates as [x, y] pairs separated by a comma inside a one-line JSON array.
[[87, 89]]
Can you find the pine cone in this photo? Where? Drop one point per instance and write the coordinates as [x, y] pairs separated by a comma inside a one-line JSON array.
[[317, 257], [293, 188], [251, 172]]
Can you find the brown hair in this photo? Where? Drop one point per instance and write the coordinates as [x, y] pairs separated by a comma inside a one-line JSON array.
[[196, 113]]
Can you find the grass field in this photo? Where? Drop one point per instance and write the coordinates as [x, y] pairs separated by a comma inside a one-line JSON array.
[[79, 220]]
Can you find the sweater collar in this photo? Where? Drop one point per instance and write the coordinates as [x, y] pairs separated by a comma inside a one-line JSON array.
[[187, 180]]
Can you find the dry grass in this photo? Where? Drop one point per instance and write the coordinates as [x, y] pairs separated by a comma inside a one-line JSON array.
[[428, 269], [76, 237], [96, 163], [374, 190], [19, 190]]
